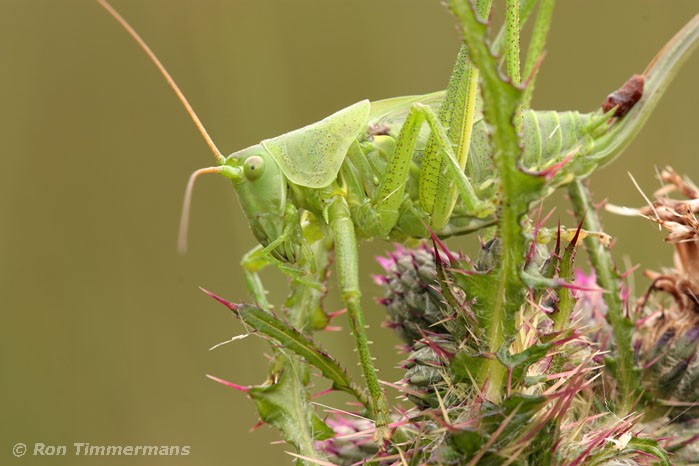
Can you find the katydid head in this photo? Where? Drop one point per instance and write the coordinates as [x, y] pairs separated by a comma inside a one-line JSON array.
[[261, 187], [258, 173]]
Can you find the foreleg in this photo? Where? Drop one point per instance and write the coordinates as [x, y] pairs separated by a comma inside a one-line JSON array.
[[260, 257]]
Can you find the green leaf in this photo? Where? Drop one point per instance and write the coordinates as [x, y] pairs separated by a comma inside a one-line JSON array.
[[518, 363], [651, 447], [517, 411], [270, 326], [631, 450], [467, 442], [541, 447], [465, 366], [284, 404]]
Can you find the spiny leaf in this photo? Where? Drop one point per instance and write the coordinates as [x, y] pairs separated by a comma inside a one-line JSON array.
[[284, 404], [517, 364], [465, 366], [651, 447], [517, 411], [499, 427], [468, 441], [291, 339]]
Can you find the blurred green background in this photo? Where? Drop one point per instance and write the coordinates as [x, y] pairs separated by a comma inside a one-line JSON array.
[[105, 334]]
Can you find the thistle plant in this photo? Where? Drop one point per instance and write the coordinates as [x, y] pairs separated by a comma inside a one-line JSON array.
[[517, 356], [668, 331]]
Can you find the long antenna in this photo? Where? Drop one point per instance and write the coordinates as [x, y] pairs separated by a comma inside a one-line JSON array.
[[168, 78], [184, 219]]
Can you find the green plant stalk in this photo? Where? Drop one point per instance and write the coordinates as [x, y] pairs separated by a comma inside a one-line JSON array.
[[536, 47], [512, 33], [566, 302], [525, 9], [628, 376], [483, 8], [512, 27], [501, 100]]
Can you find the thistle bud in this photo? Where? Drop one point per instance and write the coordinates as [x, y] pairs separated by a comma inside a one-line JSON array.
[[352, 443], [412, 295], [427, 370]]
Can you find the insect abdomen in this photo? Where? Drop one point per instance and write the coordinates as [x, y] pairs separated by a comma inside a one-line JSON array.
[[548, 138], [551, 137]]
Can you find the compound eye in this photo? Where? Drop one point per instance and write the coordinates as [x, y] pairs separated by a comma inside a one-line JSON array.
[[253, 167]]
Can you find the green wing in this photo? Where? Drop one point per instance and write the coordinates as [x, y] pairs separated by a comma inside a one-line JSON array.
[[391, 113], [312, 156]]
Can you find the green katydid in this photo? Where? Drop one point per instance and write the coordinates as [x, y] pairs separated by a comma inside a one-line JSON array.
[[400, 168]]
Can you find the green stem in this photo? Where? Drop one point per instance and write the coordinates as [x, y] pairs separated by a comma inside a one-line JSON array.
[[525, 9], [483, 8], [501, 101], [566, 301], [627, 375], [512, 36], [512, 27]]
